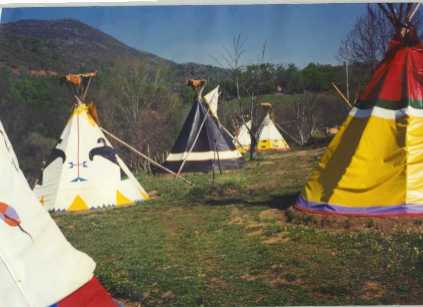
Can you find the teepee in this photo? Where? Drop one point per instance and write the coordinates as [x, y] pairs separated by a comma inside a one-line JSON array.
[[203, 145], [268, 136], [243, 137], [373, 166], [38, 265], [84, 171]]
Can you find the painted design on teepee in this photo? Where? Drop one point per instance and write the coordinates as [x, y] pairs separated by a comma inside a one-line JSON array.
[[42, 200], [78, 163], [373, 165], [104, 151], [78, 204], [93, 170], [56, 153], [269, 137], [11, 217], [122, 200]]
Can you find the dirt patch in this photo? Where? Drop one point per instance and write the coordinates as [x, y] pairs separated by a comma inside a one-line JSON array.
[[256, 233], [249, 277], [237, 217], [344, 223], [168, 295], [272, 214], [278, 282], [268, 219], [275, 278], [372, 290], [277, 239], [131, 304], [253, 226], [217, 283]]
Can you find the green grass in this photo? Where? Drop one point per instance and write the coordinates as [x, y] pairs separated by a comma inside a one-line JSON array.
[[234, 243]]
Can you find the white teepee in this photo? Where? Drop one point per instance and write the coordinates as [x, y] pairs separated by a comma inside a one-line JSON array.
[[84, 171], [270, 139], [243, 137], [38, 266]]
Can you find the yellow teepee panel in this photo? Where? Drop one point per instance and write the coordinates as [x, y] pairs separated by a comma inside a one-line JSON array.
[[145, 196], [122, 200], [78, 204], [367, 169]]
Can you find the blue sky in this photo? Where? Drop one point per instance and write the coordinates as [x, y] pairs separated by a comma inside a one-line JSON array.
[[294, 33]]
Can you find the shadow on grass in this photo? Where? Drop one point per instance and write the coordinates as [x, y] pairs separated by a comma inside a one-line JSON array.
[[282, 202]]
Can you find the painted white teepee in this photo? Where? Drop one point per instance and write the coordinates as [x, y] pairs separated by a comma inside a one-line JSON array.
[[270, 139], [84, 171], [38, 266], [243, 137]]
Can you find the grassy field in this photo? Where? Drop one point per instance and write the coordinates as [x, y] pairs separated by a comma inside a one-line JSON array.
[[237, 242]]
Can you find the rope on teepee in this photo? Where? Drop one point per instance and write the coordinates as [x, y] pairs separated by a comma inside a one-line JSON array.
[[144, 156]]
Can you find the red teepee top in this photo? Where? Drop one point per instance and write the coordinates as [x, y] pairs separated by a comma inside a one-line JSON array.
[[398, 80]]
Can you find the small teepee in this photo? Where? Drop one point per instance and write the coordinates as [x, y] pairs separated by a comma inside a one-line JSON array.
[[84, 171], [373, 166], [38, 265], [268, 136], [203, 144], [243, 137]]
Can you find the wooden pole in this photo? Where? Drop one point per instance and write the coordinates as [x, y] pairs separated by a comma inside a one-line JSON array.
[[148, 162], [342, 95], [143, 156], [84, 95], [414, 11], [347, 80]]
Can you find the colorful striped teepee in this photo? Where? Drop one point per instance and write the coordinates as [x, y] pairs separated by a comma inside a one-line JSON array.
[[374, 165]]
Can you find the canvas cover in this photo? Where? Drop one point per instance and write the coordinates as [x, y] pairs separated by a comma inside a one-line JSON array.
[[213, 147], [38, 266], [212, 99], [91, 294], [84, 171], [270, 139], [374, 165], [243, 137]]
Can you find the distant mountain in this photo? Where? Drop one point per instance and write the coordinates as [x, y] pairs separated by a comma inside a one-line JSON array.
[[57, 47]]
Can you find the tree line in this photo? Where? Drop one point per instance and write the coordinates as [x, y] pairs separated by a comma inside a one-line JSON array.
[[147, 108]]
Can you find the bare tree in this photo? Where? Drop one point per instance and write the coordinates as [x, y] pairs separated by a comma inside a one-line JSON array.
[[305, 117], [367, 42], [231, 57], [253, 130]]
